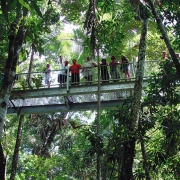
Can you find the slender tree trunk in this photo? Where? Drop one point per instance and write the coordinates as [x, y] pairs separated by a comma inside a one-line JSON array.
[[93, 41], [143, 150], [98, 118], [31, 66], [128, 156], [90, 23], [2, 164], [16, 149], [145, 164], [165, 36], [139, 77]]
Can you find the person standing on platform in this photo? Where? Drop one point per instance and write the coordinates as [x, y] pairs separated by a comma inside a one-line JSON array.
[[75, 73], [164, 55], [88, 70], [104, 71], [125, 67], [114, 72], [62, 77], [177, 55], [48, 75]]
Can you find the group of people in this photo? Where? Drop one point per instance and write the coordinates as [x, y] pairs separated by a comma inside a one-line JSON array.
[[87, 70], [114, 69], [62, 77]]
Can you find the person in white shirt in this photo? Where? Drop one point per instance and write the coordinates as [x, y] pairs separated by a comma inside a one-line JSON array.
[[88, 70], [62, 77], [48, 75]]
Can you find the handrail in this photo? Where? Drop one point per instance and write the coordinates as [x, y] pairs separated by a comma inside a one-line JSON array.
[[67, 80], [37, 78]]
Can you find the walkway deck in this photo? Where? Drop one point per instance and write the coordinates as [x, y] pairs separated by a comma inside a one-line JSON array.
[[78, 98], [39, 99]]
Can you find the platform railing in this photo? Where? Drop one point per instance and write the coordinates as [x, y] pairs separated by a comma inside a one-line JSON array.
[[36, 80]]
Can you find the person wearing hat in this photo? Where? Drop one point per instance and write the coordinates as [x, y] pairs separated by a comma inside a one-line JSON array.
[[62, 77], [114, 72]]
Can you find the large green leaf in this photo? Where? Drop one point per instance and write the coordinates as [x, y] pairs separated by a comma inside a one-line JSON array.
[[26, 5], [37, 9]]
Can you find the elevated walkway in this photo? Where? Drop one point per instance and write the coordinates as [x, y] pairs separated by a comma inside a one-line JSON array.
[[70, 107], [74, 90], [77, 98], [32, 97]]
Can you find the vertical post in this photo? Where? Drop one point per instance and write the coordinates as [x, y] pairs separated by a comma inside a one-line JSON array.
[[67, 81], [134, 64], [98, 118], [99, 94]]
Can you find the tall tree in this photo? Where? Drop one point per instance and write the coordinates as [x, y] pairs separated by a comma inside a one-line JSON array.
[[17, 147], [165, 36], [129, 146], [16, 37]]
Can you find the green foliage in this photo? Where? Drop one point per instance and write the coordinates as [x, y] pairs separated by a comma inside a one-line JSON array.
[[37, 80], [51, 16], [8, 6], [35, 167], [161, 109], [96, 143], [163, 91], [23, 83], [172, 19], [73, 150]]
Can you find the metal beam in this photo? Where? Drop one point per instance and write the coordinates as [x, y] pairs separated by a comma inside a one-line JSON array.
[[73, 90], [41, 109]]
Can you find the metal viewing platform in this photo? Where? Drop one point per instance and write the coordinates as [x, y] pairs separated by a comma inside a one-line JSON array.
[[31, 96]]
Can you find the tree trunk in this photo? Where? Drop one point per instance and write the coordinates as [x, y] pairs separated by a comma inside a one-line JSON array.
[[47, 137], [128, 157], [15, 45], [31, 66], [98, 167], [145, 164], [93, 41], [2, 164], [129, 146], [165, 36], [90, 23], [16, 149], [139, 77]]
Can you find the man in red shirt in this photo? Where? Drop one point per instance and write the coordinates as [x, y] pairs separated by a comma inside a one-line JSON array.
[[75, 73]]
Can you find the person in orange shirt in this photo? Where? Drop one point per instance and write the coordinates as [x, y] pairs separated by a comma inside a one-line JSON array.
[[75, 73]]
